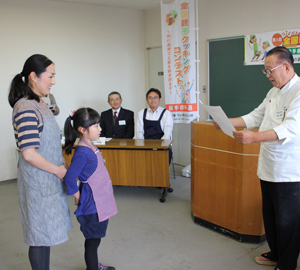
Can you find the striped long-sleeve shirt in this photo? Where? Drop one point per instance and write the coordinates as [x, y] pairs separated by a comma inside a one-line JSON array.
[[28, 124]]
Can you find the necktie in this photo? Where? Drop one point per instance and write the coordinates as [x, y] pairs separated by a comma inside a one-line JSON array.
[[115, 115]]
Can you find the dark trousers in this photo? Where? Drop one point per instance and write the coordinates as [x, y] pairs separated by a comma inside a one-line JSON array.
[[170, 155], [281, 214]]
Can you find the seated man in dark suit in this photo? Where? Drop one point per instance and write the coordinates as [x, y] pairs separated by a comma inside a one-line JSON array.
[[117, 122]]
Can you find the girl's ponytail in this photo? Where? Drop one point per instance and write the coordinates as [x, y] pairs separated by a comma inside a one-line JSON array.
[[70, 136]]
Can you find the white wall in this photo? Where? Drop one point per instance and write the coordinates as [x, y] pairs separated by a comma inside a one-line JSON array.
[[99, 49], [219, 19], [95, 49]]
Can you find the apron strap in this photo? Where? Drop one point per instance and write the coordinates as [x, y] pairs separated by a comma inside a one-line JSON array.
[[161, 116], [88, 145]]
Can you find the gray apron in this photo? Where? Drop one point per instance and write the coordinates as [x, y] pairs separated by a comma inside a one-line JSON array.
[[44, 208]]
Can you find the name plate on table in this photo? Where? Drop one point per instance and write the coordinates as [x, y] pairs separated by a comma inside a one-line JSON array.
[[100, 141]]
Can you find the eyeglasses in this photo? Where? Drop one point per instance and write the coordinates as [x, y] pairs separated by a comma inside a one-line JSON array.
[[156, 97], [269, 71], [114, 99]]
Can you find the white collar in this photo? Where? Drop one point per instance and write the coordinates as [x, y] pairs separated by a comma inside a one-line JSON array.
[[290, 83], [156, 111], [118, 110]]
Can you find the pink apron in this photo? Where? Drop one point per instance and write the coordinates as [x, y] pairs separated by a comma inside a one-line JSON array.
[[102, 189]]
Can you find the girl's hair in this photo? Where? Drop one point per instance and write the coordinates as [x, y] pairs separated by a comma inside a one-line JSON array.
[[83, 117], [19, 88]]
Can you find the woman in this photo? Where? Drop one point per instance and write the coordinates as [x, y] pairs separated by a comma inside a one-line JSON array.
[[43, 201]]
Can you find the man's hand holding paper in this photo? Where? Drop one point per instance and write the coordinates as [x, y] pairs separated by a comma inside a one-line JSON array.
[[220, 118]]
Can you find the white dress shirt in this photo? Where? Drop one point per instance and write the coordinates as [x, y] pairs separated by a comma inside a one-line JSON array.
[[118, 111]]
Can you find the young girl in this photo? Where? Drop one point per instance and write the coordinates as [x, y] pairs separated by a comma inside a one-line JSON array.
[[95, 199]]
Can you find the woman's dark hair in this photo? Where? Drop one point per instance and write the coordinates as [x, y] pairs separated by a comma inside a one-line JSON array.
[[19, 88], [283, 54], [83, 117]]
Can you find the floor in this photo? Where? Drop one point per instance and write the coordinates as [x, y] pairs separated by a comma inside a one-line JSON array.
[[144, 235]]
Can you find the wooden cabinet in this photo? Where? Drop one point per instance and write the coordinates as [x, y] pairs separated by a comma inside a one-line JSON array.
[[225, 190]]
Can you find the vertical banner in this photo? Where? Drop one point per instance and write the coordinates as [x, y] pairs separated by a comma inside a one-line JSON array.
[[178, 43], [257, 45]]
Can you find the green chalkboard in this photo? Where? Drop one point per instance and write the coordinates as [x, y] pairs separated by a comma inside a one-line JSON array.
[[237, 88]]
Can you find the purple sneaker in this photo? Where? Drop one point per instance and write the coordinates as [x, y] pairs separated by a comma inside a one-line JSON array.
[[103, 267]]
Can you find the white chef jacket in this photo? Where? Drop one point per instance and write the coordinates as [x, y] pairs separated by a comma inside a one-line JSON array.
[[279, 161]]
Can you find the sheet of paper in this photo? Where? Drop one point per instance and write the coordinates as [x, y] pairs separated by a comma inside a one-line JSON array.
[[220, 117]]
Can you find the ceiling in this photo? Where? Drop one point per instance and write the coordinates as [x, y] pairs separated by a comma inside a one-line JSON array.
[[131, 4]]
